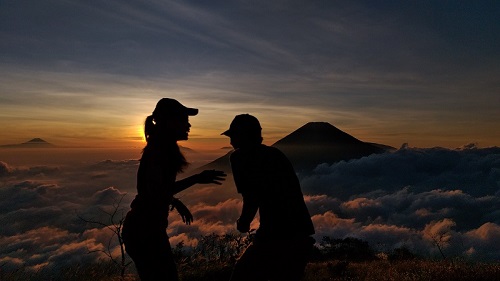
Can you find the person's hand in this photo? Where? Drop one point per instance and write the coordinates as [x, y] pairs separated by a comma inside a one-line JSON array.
[[242, 227], [211, 176], [184, 212]]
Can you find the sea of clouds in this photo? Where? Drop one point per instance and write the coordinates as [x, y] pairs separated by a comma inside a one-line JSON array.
[[413, 197]]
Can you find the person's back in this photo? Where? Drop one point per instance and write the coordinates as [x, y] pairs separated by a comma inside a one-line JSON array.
[[264, 172]]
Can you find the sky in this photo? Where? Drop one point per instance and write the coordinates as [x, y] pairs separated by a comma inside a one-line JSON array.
[[87, 73]]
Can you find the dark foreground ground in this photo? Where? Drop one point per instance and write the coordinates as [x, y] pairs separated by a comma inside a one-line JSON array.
[[316, 271]]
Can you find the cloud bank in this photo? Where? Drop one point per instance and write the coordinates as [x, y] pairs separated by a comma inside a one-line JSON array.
[[396, 199], [407, 198]]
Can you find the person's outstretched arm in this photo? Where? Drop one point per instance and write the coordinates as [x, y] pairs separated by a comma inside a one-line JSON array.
[[205, 177]]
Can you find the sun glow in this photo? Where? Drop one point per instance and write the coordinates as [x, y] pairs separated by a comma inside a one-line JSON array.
[[140, 133]]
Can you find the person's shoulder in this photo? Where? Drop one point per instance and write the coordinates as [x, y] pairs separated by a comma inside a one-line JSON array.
[[235, 155], [272, 151]]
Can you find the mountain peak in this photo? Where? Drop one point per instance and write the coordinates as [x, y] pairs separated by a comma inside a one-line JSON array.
[[317, 133], [312, 144], [36, 143], [37, 140], [321, 142], [33, 143]]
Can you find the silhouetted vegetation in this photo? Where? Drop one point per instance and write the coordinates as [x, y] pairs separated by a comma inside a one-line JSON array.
[[333, 259], [114, 223], [401, 254], [104, 270], [347, 249], [212, 258], [413, 270]]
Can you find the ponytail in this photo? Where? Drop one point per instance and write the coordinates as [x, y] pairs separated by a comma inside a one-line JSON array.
[[149, 127]]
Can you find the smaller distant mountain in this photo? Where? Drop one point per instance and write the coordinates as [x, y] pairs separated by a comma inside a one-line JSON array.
[[33, 143]]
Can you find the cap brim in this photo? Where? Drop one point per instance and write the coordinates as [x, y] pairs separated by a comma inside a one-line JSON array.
[[191, 111]]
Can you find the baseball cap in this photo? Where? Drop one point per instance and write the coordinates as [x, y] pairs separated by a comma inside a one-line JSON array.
[[243, 124], [172, 107]]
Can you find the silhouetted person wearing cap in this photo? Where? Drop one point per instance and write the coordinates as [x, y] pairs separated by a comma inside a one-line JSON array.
[[267, 182], [144, 229]]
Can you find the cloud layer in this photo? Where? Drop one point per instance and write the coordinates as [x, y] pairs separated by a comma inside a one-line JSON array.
[[409, 198]]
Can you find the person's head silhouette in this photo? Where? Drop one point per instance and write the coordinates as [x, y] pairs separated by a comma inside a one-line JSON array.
[[170, 108], [244, 131], [169, 121]]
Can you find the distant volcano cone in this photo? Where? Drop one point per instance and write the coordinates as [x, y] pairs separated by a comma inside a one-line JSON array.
[[317, 133], [313, 144], [321, 142], [36, 142]]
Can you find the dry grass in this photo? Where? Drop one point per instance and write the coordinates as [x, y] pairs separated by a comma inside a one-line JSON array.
[[378, 270], [421, 270]]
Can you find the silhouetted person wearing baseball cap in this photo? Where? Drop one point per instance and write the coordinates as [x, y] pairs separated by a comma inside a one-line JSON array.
[[144, 229], [267, 182]]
